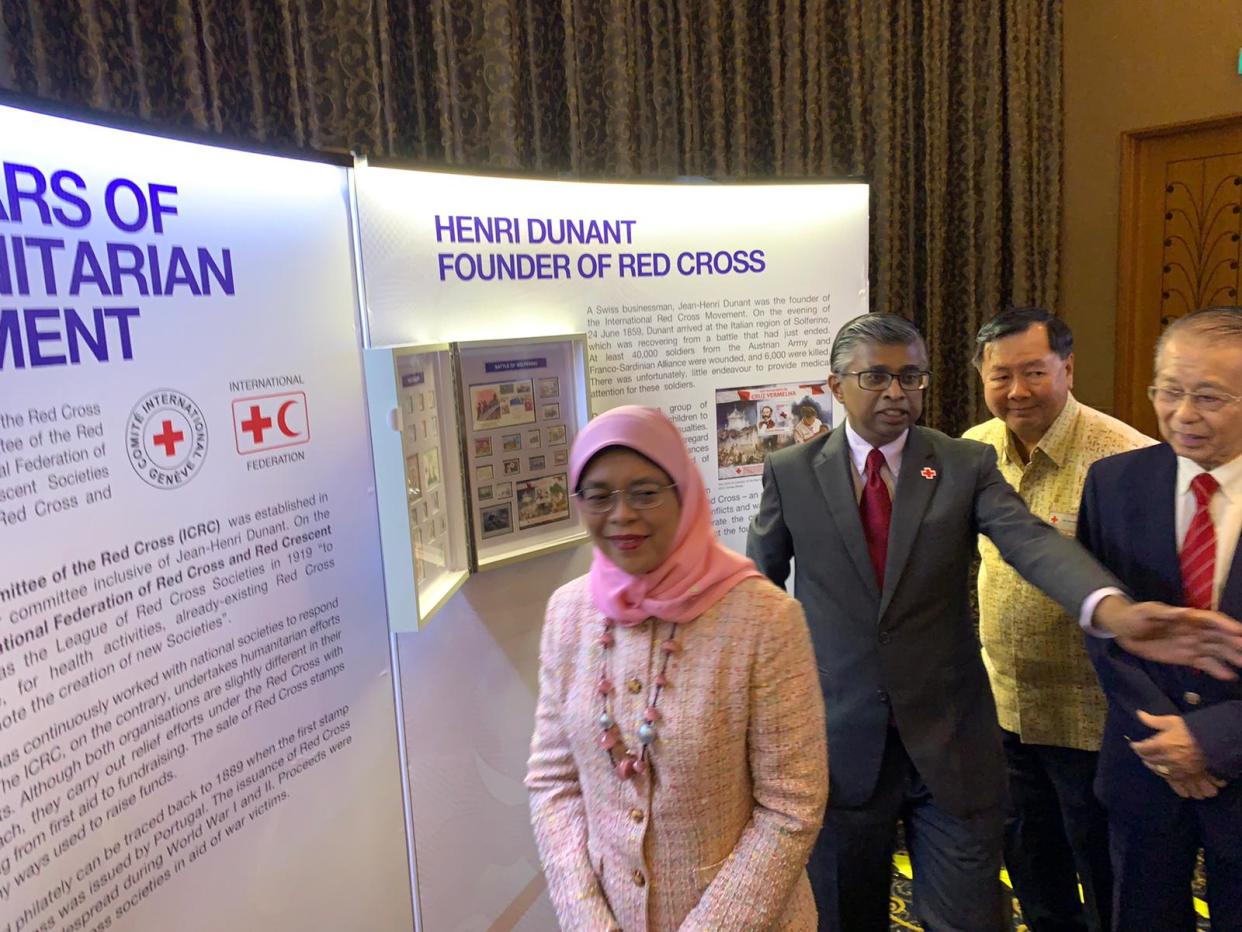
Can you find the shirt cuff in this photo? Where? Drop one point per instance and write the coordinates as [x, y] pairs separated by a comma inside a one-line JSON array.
[[1089, 605]]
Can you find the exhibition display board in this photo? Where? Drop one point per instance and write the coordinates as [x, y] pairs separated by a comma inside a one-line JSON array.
[[197, 724], [714, 302], [211, 521]]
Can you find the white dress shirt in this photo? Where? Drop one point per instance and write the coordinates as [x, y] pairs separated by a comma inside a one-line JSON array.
[[1225, 507]]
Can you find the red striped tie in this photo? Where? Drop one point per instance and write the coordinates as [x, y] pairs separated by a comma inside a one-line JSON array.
[[1199, 547], [876, 510]]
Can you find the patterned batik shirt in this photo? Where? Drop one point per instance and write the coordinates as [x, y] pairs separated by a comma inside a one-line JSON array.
[[1046, 690]]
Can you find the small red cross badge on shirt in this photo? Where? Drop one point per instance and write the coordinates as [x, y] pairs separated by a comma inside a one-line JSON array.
[[1055, 520], [928, 473]]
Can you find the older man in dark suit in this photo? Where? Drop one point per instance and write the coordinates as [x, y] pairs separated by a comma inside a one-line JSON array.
[[882, 518], [1166, 520]]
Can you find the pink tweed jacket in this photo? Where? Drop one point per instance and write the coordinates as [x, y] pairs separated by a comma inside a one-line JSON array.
[[716, 835]]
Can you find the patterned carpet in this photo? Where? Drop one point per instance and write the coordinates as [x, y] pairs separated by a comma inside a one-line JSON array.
[[903, 919]]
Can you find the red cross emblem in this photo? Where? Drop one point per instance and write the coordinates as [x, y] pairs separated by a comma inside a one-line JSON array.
[[928, 473], [168, 438], [257, 424], [1055, 520]]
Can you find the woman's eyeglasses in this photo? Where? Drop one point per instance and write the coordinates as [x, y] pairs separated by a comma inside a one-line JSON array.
[[641, 496]]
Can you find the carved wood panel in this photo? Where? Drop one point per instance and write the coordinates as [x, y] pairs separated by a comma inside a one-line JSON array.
[[1202, 234], [1181, 241]]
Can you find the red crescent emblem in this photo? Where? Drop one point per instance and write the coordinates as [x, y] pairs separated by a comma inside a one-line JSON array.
[[282, 423]]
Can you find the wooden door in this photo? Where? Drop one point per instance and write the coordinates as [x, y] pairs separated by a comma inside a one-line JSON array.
[[1181, 226]]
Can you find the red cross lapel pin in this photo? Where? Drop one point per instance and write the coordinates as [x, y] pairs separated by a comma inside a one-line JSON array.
[[928, 473]]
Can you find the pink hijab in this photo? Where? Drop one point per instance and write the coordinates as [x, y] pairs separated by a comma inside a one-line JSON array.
[[699, 570]]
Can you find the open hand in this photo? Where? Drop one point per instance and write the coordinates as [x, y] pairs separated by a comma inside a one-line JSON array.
[[1191, 637]]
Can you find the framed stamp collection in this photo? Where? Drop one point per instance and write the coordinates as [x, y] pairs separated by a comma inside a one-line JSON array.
[[423, 522], [523, 401], [471, 444]]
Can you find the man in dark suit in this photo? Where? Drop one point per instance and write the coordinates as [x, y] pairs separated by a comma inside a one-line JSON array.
[[1165, 520], [882, 518]]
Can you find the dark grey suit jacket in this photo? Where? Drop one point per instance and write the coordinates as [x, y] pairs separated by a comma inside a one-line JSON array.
[[912, 646]]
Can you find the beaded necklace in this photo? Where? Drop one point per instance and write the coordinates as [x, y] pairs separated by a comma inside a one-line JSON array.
[[624, 762]]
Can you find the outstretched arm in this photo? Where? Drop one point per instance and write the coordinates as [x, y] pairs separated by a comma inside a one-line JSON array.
[[1061, 568]]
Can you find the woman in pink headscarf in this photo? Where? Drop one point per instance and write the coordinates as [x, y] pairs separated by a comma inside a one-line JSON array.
[[678, 771]]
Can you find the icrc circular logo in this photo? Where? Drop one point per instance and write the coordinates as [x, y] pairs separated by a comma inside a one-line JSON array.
[[166, 438]]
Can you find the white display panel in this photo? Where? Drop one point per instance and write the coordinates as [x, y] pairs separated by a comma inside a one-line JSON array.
[[196, 707], [687, 292]]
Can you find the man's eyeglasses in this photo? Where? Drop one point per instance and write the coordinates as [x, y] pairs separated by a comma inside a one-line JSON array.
[[1200, 401], [877, 380], [641, 496]]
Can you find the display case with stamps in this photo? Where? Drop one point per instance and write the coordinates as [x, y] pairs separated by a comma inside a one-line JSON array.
[[420, 479], [523, 402]]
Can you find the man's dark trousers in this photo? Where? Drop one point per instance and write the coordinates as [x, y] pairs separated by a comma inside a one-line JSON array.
[[1056, 836]]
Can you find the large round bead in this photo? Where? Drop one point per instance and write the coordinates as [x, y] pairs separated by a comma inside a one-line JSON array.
[[646, 733], [605, 721]]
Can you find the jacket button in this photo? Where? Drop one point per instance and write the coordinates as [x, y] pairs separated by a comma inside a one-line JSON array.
[[1191, 698], [884, 638], [639, 879], [634, 685], [883, 696], [636, 815]]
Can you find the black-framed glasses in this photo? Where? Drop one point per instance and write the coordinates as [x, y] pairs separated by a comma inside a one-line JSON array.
[[1200, 401], [641, 496], [878, 380]]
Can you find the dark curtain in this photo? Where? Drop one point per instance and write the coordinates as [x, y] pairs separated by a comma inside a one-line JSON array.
[[951, 109]]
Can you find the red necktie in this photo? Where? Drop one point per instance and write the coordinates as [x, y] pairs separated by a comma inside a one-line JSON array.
[[876, 510], [1199, 548]]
